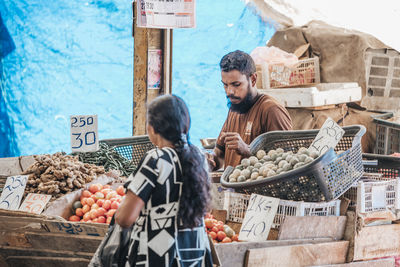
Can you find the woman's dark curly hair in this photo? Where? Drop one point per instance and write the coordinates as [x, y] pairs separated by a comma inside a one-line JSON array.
[[169, 116]]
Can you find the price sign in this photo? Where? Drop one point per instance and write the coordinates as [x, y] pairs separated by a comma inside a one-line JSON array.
[[328, 137], [13, 192], [259, 217], [34, 203], [84, 136]]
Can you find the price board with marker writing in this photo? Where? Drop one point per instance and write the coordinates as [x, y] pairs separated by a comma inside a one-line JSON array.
[[13, 192], [84, 137], [35, 203], [259, 217], [328, 137]]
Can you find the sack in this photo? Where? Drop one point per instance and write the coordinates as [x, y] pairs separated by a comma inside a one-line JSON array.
[[113, 249]]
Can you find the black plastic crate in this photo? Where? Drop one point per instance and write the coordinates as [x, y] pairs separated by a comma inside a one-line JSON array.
[[387, 135], [388, 166], [132, 148], [324, 179]]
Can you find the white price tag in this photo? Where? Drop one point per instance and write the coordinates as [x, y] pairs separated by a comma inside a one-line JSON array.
[[258, 218], [328, 137], [84, 136], [34, 203], [13, 191]]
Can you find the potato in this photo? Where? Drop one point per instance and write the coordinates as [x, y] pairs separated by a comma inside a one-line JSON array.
[[254, 170], [253, 160], [314, 154], [282, 163], [287, 167], [280, 150], [267, 158], [289, 157], [245, 173], [245, 162], [233, 180], [264, 171], [274, 156], [302, 157], [279, 159], [279, 170], [236, 173], [260, 154], [294, 160], [250, 168], [284, 155], [257, 165], [303, 150], [254, 175], [271, 152], [271, 173], [260, 177], [241, 178], [308, 160], [298, 165]]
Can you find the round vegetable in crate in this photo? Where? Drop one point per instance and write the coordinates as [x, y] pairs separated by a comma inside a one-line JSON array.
[[282, 166]]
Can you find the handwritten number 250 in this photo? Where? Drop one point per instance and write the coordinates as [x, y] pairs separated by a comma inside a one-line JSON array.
[[82, 122]]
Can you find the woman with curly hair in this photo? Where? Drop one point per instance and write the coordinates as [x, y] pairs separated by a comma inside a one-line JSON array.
[[168, 196]]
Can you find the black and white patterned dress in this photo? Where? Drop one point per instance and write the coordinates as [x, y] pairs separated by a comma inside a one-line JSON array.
[[156, 239]]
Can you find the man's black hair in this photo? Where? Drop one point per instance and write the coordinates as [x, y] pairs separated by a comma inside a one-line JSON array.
[[240, 61]]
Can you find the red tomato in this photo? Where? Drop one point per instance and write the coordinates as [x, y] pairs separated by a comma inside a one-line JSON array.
[[208, 223], [79, 212], [111, 194], [74, 218], [93, 214], [226, 240], [99, 195], [101, 211], [95, 206], [90, 201], [100, 202], [95, 220], [220, 227], [83, 201], [120, 190], [106, 186], [213, 235], [114, 205], [107, 205], [221, 235], [110, 213], [86, 216], [105, 191], [86, 193], [235, 237], [93, 188], [215, 229], [85, 208], [101, 219]]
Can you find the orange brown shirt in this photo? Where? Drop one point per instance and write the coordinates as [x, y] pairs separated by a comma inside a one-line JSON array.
[[265, 115]]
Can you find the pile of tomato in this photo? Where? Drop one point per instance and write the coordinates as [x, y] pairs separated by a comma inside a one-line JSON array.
[[98, 204], [218, 231]]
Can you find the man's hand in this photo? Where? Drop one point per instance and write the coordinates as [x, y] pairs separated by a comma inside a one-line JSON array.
[[233, 141]]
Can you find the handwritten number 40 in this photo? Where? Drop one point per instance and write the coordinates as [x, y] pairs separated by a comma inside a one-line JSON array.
[[82, 122]]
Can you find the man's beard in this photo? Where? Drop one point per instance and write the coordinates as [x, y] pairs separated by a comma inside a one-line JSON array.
[[245, 105]]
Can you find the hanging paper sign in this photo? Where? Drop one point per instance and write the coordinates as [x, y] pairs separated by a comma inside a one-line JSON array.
[[13, 192], [166, 14], [35, 203], [154, 69], [328, 137], [84, 136], [259, 217]]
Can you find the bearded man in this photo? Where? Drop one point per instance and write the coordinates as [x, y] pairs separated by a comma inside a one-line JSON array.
[[250, 113]]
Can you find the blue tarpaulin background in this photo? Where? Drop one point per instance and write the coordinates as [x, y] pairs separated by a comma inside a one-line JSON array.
[[76, 57]]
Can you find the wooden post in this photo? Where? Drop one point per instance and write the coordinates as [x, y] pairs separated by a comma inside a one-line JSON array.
[[145, 39]]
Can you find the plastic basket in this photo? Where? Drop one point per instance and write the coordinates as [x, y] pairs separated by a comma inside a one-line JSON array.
[[324, 179], [377, 168], [378, 195], [132, 148], [387, 135], [236, 205], [278, 75]]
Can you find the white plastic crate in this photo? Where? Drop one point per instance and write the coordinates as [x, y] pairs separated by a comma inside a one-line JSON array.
[[305, 72], [378, 195], [217, 196], [382, 80], [318, 95], [236, 205]]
